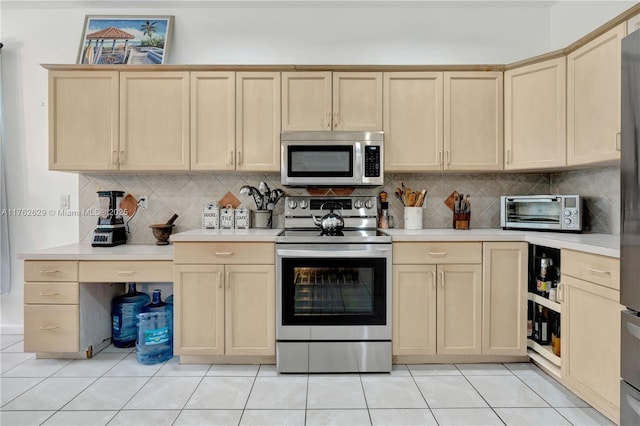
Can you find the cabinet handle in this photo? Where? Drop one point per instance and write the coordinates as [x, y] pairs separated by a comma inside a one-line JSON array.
[[219, 279], [560, 292], [328, 121], [508, 156], [335, 120], [231, 158], [442, 279], [114, 157], [433, 279], [49, 327], [126, 272], [617, 141], [239, 160], [598, 271], [121, 157], [43, 294], [224, 253], [448, 156], [229, 280], [437, 253], [50, 271]]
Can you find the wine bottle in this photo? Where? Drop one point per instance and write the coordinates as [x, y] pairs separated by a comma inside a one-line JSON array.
[[543, 327], [536, 325]]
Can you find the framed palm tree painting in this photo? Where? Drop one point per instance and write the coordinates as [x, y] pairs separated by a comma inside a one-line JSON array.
[[125, 39]]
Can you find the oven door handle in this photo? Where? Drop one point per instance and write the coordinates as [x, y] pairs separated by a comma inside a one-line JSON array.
[[373, 252]]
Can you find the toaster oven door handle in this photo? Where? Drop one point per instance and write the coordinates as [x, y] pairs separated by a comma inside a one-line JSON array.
[[533, 200]]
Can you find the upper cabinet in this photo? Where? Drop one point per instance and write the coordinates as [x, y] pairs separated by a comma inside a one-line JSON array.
[[258, 121], [306, 101], [213, 120], [154, 121], [412, 121], [473, 131], [77, 140], [332, 100], [633, 24], [593, 99], [535, 115]]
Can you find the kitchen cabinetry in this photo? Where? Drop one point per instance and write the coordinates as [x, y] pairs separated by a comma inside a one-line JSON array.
[[633, 24], [535, 115], [77, 140], [591, 329], [332, 101], [67, 312], [504, 300], [593, 99], [473, 120], [437, 298], [412, 121], [229, 289], [213, 120], [154, 121], [258, 122]]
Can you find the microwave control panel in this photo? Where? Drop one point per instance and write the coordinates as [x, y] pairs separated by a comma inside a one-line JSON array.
[[371, 161]]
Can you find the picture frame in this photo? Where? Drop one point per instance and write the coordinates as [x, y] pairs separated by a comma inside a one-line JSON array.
[[125, 40]]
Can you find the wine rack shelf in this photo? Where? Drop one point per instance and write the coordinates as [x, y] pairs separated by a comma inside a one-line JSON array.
[[545, 351], [550, 304]]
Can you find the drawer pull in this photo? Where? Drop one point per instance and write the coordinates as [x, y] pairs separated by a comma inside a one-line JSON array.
[[224, 253], [633, 330], [49, 327], [437, 253], [126, 272], [599, 271], [49, 271], [49, 294]]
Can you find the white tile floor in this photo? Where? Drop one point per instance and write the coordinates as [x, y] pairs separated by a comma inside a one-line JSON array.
[[113, 389]]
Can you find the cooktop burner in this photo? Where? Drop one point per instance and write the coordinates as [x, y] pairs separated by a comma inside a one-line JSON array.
[[346, 236]]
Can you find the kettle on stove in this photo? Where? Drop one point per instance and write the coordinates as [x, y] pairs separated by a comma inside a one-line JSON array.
[[331, 223]]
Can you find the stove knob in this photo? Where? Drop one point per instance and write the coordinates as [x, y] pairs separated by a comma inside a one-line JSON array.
[[304, 203], [357, 204], [368, 204], [293, 204]]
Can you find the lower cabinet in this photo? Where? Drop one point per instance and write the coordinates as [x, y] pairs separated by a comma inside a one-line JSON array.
[[224, 309], [591, 343]]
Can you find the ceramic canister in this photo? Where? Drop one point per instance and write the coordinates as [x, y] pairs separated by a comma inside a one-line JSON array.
[[210, 216], [242, 218], [227, 217]]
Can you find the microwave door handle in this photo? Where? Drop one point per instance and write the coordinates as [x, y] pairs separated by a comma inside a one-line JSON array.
[[532, 200]]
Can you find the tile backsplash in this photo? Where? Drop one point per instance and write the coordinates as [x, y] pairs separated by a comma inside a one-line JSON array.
[[185, 194]]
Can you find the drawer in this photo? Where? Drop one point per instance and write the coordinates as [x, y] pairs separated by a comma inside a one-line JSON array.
[[51, 293], [436, 253], [126, 271], [50, 270], [225, 253], [597, 269], [51, 328]]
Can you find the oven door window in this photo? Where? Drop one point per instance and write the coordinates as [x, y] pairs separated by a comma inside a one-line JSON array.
[[534, 212], [334, 291], [320, 161]]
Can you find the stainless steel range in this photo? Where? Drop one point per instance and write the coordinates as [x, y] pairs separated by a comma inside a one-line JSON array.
[[333, 288]]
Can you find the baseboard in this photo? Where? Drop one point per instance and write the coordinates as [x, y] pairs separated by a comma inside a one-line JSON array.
[[12, 329]]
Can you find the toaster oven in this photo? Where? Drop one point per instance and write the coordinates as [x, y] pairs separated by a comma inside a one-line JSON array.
[[541, 212]]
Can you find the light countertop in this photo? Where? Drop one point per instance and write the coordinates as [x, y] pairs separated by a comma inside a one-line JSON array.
[[603, 244], [86, 252]]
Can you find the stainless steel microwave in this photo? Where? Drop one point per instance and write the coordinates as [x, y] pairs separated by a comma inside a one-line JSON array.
[[541, 212], [331, 158]]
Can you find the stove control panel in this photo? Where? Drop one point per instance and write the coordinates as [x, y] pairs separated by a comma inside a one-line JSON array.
[[365, 206]]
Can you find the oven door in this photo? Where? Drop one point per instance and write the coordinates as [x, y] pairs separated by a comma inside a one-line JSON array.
[[333, 292], [532, 212]]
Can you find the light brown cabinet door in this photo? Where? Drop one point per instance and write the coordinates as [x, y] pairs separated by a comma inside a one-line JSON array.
[[459, 309], [357, 101], [473, 117], [306, 100], [414, 309], [412, 121], [593, 99], [250, 310], [83, 120], [258, 121], [535, 116], [154, 121], [213, 120], [51, 328], [633, 24], [591, 343], [504, 301], [198, 310]]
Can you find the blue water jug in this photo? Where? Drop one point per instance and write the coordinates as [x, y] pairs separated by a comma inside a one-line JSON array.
[[155, 332], [124, 309]]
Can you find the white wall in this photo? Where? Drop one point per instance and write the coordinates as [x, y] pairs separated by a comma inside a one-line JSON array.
[[228, 32]]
